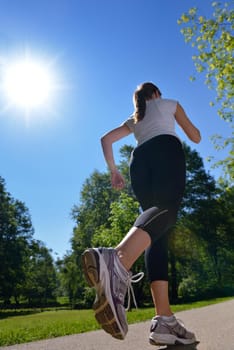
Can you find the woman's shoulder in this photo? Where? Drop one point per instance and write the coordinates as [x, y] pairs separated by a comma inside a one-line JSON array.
[[167, 101], [129, 122], [168, 104]]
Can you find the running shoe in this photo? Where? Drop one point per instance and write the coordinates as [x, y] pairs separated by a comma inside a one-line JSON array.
[[111, 280], [169, 333]]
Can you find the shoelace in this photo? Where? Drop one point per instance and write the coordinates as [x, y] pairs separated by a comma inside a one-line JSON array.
[[180, 322], [182, 330], [133, 279], [178, 327]]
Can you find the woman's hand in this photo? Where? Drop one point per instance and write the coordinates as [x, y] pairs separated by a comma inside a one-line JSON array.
[[117, 180]]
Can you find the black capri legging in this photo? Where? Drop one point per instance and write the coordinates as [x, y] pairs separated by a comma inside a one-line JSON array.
[[157, 171]]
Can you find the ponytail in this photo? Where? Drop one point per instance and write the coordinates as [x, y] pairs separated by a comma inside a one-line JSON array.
[[140, 106], [143, 93]]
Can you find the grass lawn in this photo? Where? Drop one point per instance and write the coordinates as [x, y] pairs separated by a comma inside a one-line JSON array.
[[48, 324]]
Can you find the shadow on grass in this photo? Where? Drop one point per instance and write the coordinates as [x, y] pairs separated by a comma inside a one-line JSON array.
[[14, 313], [5, 313]]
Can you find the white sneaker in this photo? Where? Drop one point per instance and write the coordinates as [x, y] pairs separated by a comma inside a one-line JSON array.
[[169, 333]]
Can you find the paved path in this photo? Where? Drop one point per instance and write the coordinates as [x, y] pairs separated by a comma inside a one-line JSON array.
[[213, 325]]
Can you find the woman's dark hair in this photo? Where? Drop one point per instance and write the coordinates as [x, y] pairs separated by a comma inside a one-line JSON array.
[[143, 93]]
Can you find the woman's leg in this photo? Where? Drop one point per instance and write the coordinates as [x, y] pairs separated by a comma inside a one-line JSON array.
[[156, 260], [107, 270], [159, 291], [142, 234], [132, 246], [161, 182]]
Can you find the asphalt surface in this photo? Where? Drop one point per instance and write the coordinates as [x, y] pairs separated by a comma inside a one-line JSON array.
[[213, 326]]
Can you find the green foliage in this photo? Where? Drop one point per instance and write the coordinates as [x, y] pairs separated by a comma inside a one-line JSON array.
[[227, 164], [70, 278], [125, 154], [189, 287], [213, 222], [15, 235], [26, 266], [198, 244], [212, 38], [123, 213], [40, 283], [213, 43], [200, 185], [96, 196]]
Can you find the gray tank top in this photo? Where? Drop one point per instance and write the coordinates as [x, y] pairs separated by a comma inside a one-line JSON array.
[[159, 119]]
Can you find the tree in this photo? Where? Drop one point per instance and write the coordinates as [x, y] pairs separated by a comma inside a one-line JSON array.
[[123, 213], [200, 250], [93, 210], [125, 156], [26, 265], [71, 280], [212, 221], [200, 188], [40, 282], [16, 232], [213, 42], [200, 185]]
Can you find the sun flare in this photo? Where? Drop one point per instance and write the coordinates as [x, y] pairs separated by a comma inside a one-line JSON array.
[[27, 83]]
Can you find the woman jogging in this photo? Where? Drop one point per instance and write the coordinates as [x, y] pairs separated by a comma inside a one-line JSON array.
[[157, 172]]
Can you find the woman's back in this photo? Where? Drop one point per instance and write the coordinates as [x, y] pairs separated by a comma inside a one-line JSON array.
[[159, 119]]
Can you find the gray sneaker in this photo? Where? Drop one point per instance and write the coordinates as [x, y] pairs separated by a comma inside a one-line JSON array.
[[111, 282], [169, 333]]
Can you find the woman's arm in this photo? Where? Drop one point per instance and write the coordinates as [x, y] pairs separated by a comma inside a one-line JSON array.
[[107, 140], [184, 122]]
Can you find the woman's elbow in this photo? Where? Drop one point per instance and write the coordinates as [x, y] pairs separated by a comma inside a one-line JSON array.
[[105, 140]]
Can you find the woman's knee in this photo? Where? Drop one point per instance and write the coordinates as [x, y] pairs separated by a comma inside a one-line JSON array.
[[156, 221]]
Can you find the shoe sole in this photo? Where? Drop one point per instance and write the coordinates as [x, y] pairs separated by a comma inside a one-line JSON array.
[[171, 340], [104, 313]]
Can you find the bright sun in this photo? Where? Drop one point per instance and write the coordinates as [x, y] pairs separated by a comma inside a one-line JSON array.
[[27, 83]]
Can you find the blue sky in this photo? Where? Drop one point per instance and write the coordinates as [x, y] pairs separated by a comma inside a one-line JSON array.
[[98, 51]]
